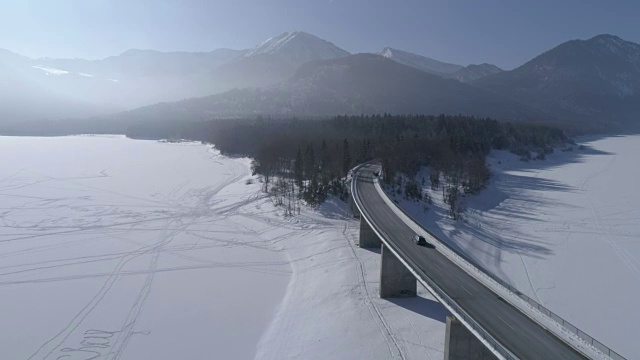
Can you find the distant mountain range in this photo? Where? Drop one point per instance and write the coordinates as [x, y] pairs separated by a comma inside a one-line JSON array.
[[420, 62], [79, 88], [461, 73], [590, 84], [594, 82], [361, 83]]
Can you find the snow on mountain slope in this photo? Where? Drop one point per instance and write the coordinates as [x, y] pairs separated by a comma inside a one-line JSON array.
[[474, 72], [50, 70], [420, 62], [25, 96], [298, 46], [133, 79]]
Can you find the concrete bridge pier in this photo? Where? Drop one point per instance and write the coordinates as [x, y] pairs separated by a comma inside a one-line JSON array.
[[354, 208], [461, 344], [395, 279], [368, 238]]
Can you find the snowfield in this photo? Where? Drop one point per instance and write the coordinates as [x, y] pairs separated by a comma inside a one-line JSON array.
[[112, 248], [565, 231]]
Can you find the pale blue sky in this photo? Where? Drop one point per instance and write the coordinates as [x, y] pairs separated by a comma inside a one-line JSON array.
[[503, 32]]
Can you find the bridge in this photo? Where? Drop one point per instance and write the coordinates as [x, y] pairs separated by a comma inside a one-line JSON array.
[[489, 320]]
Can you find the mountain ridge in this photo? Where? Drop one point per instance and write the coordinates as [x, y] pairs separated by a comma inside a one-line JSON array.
[[593, 83], [305, 47], [474, 72], [420, 62], [360, 83], [584, 81], [138, 77]]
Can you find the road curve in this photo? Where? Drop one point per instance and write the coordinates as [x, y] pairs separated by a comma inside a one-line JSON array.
[[518, 333]]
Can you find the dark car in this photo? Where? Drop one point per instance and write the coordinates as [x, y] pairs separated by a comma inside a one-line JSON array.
[[376, 173], [420, 240]]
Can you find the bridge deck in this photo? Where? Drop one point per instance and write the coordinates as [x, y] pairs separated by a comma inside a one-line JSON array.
[[525, 338]]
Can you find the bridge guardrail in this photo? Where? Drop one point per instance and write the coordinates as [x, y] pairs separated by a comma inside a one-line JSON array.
[[564, 323]]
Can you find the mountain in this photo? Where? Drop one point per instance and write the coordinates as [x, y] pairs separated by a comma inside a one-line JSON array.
[[474, 72], [138, 78], [591, 83], [420, 62], [23, 97], [130, 80], [361, 83], [8, 58], [298, 47], [463, 74], [273, 61], [136, 63]]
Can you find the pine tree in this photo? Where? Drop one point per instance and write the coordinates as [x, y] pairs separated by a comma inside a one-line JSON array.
[[346, 157], [298, 169]]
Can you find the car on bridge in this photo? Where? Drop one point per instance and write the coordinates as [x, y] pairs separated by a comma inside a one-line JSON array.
[[420, 240]]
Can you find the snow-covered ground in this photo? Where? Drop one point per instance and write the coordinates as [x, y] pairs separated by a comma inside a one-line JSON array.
[[112, 248], [565, 231]]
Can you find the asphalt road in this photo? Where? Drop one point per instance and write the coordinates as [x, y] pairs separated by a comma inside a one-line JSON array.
[[515, 331]]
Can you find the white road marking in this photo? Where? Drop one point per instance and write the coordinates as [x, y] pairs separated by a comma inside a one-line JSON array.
[[512, 328], [465, 289]]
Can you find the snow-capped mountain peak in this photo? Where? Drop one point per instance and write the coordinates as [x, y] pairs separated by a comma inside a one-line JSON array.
[[299, 46], [387, 52], [272, 44]]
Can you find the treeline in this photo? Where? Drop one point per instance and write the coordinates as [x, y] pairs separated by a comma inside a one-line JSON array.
[[311, 157]]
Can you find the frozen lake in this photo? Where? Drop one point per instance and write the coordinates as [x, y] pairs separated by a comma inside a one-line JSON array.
[[114, 248]]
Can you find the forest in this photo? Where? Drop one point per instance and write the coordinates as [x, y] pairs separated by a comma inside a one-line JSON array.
[[309, 159]]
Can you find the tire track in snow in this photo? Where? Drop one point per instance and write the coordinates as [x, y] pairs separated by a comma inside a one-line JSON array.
[[125, 334], [238, 171], [376, 314], [51, 345]]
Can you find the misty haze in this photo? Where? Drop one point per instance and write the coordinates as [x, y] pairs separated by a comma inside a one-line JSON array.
[[321, 180]]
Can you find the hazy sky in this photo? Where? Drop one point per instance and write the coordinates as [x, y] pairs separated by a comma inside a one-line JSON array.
[[504, 32]]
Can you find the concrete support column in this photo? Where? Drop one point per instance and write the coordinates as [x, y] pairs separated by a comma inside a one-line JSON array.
[[461, 344], [354, 208], [368, 238], [395, 279]]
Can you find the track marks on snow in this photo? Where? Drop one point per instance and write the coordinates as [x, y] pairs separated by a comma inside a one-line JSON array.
[[396, 348], [182, 210]]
